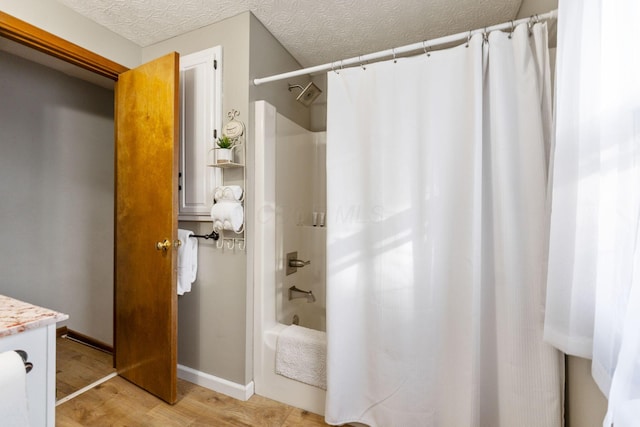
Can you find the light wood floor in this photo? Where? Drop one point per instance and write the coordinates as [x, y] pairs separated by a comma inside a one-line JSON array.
[[78, 365], [120, 403]]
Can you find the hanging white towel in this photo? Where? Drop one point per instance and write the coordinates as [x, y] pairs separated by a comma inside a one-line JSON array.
[[228, 215], [187, 261], [228, 192], [13, 391], [301, 354]]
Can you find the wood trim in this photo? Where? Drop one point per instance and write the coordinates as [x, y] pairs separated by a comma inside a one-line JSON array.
[[84, 339], [24, 33]]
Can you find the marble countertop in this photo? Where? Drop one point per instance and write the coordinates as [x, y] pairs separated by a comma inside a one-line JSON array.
[[18, 316]]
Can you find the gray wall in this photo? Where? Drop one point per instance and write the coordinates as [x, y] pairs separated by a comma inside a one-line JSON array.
[[268, 57], [215, 320], [532, 7], [56, 187], [212, 328]]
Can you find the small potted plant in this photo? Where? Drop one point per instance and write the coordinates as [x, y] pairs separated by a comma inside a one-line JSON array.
[[224, 153]]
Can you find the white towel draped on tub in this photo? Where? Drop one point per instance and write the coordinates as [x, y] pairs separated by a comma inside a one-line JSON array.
[[301, 354], [227, 215], [187, 261], [13, 391]]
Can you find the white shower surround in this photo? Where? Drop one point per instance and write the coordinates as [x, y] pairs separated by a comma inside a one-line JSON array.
[[270, 282]]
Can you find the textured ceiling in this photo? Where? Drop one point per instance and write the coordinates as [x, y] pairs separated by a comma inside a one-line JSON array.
[[313, 31]]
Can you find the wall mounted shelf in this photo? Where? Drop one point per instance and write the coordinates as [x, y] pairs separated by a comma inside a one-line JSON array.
[[229, 165], [234, 129]]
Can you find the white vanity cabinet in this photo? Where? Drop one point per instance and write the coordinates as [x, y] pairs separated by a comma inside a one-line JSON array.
[[31, 328], [200, 123]]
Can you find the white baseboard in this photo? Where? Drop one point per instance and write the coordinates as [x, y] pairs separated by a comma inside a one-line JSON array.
[[220, 385]]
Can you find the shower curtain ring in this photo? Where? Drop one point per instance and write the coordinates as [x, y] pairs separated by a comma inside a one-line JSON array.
[[468, 39], [393, 51], [361, 63], [426, 48], [534, 19], [512, 28]]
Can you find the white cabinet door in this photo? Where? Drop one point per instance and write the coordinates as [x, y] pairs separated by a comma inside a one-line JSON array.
[[40, 346], [200, 123]]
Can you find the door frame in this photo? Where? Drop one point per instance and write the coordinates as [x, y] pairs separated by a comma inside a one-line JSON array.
[[33, 37], [38, 39]]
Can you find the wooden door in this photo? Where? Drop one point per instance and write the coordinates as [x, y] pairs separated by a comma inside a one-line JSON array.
[[147, 120]]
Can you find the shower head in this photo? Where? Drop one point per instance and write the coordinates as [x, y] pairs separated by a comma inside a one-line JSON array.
[[309, 93]]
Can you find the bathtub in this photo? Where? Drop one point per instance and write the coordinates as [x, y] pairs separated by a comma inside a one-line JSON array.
[[281, 227], [283, 389]]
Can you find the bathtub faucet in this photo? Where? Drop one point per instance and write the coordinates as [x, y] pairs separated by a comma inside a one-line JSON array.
[[299, 293]]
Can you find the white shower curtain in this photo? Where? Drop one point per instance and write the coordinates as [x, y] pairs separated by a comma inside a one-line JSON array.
[[436, 239]]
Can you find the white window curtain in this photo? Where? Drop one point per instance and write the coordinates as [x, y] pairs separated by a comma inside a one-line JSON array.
[[593, 306], [437, 234]]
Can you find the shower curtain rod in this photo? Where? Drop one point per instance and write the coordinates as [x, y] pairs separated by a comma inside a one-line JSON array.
[[425, 45]]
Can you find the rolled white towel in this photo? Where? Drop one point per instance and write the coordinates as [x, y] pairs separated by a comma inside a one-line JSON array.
[[228, 215], [228, 192]]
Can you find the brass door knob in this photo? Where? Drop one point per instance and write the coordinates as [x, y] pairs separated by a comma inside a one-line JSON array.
[[166, 244], [163, 246]]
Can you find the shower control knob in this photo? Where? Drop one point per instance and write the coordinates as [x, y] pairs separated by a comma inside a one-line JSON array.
[[298, 263]]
